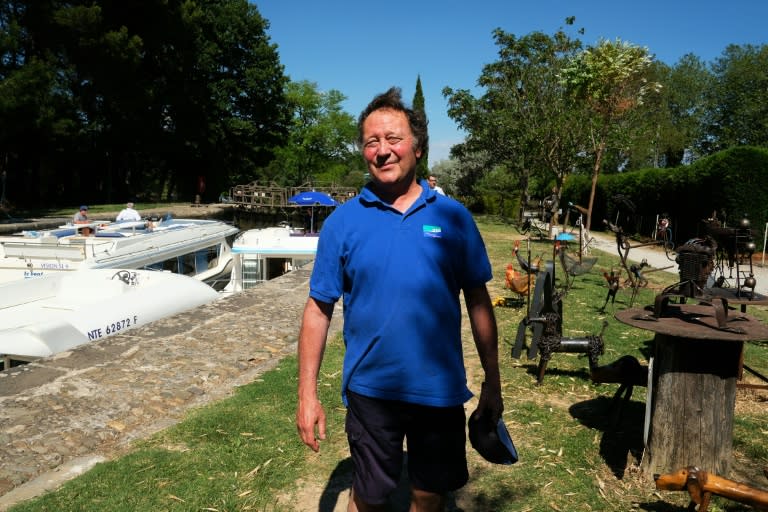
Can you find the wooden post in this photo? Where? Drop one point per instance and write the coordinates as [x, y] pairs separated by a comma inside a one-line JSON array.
[[692, 404]]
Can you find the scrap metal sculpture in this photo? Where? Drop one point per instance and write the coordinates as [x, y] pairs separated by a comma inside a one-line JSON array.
[[573, 267], [696, 262], [519, 282], [701, 485], [613, 286], [528, 265], [635, 275], [735, 247], [545, 319]]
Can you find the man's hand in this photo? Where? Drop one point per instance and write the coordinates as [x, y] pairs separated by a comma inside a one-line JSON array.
[[310, 415], [490, 402]]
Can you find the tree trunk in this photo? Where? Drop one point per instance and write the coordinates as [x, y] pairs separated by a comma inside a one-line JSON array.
[[595, 175], [692, 404]]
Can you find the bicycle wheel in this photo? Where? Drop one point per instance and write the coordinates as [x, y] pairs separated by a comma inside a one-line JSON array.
[[669, 245]]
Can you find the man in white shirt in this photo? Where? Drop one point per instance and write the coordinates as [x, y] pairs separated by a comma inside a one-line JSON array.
[[128, 213], [432, 180]]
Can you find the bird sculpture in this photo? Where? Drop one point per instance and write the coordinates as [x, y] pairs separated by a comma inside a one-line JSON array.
[[531, 267], [519, 282], [573, 267], [613, 286]]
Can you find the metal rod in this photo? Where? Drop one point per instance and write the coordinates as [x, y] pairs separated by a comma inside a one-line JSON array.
[[756, 374]]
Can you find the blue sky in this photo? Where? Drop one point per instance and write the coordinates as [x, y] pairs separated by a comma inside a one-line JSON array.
[[361, 48]]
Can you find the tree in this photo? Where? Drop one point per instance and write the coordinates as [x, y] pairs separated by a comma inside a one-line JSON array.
[[102, 100], [449, 172], [738, 100], [422, 169], [685, 90], [522, 122], [611, 79], [321, 141]]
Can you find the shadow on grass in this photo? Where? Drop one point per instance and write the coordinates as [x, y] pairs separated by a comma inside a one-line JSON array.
[[660, 506], [553, 370], [622, 438], [336, 491], [469, 498]]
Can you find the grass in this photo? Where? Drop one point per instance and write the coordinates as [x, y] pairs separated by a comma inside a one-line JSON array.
[[243, 453]]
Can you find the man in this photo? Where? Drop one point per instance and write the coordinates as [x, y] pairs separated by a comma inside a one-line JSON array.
[[81, 217], [399, 254], [432, 180], [128, 214]]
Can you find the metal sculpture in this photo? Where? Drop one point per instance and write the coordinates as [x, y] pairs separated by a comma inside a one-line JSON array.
[[695, 259], [545, 319], [519, 282], [735, 247], [625, 371], [572, 267], [635, 277], [613, 286]]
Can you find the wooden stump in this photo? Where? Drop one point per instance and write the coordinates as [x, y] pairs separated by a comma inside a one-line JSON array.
[[692, 404]]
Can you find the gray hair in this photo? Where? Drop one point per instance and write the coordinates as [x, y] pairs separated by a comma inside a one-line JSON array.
[[392, 99]]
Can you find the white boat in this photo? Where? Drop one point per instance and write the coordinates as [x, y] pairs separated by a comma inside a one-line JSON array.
[[59, 311], [193, 247], [263, 254]]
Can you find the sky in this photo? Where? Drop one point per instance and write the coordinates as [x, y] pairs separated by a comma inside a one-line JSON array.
[[362, 49]]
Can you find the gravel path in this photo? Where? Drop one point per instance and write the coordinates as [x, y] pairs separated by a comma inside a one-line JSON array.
[[658, 259]]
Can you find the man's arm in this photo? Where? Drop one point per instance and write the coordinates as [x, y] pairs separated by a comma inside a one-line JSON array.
[[486, 338], [312, 338]]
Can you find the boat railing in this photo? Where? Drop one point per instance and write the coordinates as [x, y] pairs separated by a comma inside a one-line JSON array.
[[257, 195]]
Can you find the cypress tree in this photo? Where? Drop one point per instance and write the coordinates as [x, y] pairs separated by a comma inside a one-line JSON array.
[[422, 170]]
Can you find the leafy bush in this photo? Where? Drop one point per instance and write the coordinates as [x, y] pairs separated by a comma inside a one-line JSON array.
[[730, 184]]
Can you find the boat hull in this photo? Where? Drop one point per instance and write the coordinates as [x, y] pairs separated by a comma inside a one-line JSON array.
[[55, 313]]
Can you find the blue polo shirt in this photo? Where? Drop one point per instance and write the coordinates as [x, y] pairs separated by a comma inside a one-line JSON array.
[[400, 276]]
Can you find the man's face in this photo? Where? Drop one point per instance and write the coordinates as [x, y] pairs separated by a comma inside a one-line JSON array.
[[432, 181], [388, 147]]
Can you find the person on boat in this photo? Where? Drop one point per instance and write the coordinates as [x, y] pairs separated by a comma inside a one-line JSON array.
[[81, 217], [128, 214], [385, 251]]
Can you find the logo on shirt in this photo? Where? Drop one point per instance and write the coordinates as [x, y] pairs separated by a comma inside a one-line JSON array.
[[432, 231]]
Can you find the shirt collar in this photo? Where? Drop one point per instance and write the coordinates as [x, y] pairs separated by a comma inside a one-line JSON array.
[[428, 195]]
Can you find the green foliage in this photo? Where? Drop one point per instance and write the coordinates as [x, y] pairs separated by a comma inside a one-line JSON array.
[[611, 78], [109, 101], [732, 183], [737, 112], [523, 122], [320, 146]]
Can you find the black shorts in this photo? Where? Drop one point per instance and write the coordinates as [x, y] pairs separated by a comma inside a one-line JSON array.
[[436, 444]]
